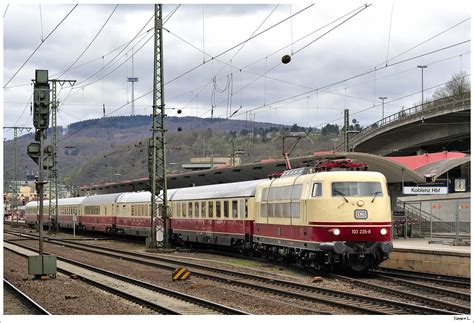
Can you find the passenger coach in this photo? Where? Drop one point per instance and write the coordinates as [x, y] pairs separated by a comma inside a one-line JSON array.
[[220, 214]]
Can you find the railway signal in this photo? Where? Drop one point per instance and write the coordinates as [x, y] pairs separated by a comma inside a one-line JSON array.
[[41, 265], [41, 100]]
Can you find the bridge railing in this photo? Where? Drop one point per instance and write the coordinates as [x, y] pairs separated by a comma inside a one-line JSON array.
[[418, 110]]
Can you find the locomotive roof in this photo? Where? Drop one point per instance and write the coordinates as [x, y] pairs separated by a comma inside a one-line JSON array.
[[348, 176], [239, 189], [101, 199]]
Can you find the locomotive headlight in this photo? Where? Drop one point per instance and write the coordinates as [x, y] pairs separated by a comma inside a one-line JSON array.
[[383, 231], [360, 203], [336, 232]]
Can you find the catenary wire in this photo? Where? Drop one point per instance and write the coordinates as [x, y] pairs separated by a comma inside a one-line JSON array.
[[6, 9], [115, 59], [271, 54], [36, 49], [233, 47], [359, 75], [91, 42]]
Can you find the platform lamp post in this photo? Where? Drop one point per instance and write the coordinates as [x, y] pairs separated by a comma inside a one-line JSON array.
[[383, 98], [422, 93]]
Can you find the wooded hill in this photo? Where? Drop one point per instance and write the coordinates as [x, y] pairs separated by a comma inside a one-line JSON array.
[[115, 148]]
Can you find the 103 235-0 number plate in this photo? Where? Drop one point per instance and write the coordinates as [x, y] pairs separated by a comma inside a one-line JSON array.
[[361, 214]]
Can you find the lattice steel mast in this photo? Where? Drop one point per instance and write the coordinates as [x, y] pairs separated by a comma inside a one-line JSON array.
[[157, 145], [53, 171]]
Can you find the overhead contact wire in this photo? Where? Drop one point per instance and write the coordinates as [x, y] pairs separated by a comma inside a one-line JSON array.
[[36, 49], [91, 42]]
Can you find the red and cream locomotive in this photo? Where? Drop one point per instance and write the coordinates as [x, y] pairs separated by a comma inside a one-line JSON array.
[[329, 219]]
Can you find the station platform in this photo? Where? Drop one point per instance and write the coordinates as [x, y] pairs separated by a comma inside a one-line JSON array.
[[430, 255]]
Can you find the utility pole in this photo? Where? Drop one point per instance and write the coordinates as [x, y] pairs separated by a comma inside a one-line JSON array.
[[346, 130], [422, 92], [133, 80], [157, 145], [383, 98], [14, 203], [53, 170]]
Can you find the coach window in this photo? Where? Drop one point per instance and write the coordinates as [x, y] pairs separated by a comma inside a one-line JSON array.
[[226, 208], [176, 209], [210, 208], [234, 209], [184, 209], [203, 209], [242, 212], [190, 209], [317, 190], [264, 194], [196, 209], [218, 209]]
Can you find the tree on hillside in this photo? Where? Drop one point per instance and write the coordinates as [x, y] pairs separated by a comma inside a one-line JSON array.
[[330, 129], [458, 85]]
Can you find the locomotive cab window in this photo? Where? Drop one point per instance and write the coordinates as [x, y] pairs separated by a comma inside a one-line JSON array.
[[357, 189], [317, 190]]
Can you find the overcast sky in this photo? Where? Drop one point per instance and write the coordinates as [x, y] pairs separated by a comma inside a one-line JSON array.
[[248, 81]]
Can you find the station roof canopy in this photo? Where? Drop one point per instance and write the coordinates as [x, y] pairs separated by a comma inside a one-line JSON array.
[[436, 169], [394, 171]]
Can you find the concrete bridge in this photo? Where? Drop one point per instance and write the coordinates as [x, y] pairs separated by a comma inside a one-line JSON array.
[[435, 126]]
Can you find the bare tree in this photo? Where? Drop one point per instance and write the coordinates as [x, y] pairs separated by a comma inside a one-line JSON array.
[[458, 85]]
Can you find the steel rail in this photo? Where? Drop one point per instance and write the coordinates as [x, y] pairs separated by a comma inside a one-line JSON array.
[[360, 303], [191, 299], [428, 288], [429, 301], [435, 278], [25, 298]]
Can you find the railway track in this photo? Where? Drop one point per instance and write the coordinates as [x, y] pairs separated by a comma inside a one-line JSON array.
[[25, 299], [157, 298], [425, 277], [355, 302], [422, 299]]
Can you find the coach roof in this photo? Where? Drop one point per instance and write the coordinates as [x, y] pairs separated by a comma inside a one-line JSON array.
[[217, 191], [101, 199]]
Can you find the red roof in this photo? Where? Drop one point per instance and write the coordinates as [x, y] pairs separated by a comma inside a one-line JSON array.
[[414, 162]]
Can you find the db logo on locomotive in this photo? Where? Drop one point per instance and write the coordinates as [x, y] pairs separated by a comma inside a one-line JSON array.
[[360, 214]]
